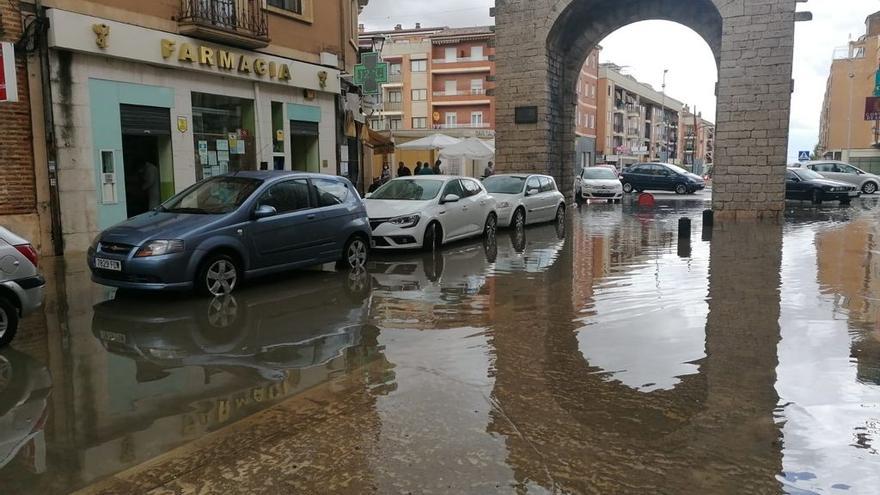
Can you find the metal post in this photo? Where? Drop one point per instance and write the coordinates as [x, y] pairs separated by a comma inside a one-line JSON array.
[[849, 119], [665, 148]]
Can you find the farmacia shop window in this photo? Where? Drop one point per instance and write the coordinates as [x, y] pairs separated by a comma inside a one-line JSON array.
[[223, 130]]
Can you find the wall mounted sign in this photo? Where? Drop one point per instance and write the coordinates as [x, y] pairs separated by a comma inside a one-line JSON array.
[[526, 115], [371, 73], [182, 124], [8, 77], [872, 108]]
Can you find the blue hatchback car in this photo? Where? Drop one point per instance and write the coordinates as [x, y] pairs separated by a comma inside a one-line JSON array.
[[227, 228]]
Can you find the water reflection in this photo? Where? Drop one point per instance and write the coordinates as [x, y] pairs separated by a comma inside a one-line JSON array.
[[25, 386]]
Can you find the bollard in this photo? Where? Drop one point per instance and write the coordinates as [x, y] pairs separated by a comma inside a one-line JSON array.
[[708, 219], [684, 247], [684, 228]]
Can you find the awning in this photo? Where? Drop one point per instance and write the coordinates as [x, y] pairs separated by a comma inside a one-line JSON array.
[[381, 144]]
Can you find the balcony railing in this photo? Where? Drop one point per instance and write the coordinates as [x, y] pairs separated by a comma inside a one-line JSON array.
[[235, 22], [460, 60], [392, 106], [395, 78], [462, 92], [467, 125]]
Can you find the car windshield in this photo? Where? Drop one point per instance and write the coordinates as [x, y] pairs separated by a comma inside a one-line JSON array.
[[676, 169], [807, 174], [599, 173], [409, 190], [216, 196], [504, 184]]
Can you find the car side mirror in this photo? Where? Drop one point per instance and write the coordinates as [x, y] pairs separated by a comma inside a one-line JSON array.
[[265, 211], [793, 179], [532, 192], [451, 198]]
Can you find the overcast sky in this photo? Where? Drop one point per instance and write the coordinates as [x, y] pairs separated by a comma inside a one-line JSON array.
[[692, 73]]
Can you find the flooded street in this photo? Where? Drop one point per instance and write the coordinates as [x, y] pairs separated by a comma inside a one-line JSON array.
[[601, 356]]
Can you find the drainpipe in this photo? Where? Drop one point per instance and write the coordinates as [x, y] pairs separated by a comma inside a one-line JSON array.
[[49, 125]]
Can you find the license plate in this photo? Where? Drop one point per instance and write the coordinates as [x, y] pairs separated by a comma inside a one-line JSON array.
[[119, 338], [112, 265]]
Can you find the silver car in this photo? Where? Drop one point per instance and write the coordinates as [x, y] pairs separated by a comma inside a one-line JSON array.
[[844, 172], [21, 285]]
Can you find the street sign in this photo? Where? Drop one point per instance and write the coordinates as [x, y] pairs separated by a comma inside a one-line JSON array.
[[371, 73], [804, 156], [872, 108]]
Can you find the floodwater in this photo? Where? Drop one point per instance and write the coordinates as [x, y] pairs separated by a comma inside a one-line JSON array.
[[601, 356]]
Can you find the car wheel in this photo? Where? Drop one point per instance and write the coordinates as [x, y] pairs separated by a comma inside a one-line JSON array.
[[491, 226], [8, 321], [817, 196], [519, 219], [219, 276], [355, 253], [627, 187], [560, 214], [433, 237], [869, 188], [681, 189]]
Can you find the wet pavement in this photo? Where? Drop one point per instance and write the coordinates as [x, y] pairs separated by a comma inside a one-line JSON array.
[[604, 355]]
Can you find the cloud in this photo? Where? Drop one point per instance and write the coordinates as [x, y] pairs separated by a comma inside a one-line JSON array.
[[649, 47]]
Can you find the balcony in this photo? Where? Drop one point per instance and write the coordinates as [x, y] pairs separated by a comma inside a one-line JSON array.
[[459, 60], [468, 125], [462, 92], [392, 106], [240, 23], [394, 78]]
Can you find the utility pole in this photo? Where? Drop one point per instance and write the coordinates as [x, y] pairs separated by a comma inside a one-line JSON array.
[[849, 118], [665, 132]]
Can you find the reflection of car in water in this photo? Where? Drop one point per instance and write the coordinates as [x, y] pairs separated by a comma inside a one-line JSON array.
[[25, 386], [267, 329], [531, 250]]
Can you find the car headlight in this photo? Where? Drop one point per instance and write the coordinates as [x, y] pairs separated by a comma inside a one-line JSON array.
[[95, 242], [504, 204], [159, 248], [406, 221]]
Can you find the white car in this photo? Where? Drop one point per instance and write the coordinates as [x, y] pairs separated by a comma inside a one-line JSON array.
[[429, 211], [526, 199], [598, 183], [844, 172], [21, 285]]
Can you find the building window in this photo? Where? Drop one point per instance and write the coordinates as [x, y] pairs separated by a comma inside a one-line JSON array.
[[451, 119], [592, 121], [395, 124], [451, 54], [419, 65], [420, 122], [295, 6], [394, 97], [394, 69], [419, 94], [477, 119], [477, 53], [223, 131]]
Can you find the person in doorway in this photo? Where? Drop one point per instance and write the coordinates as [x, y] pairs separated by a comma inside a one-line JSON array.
[[425, 170], [150, 185], [403, 170], [437, 169], [490, 170], [386, 173]]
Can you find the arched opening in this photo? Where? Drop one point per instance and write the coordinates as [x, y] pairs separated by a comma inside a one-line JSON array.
[[541, 46]]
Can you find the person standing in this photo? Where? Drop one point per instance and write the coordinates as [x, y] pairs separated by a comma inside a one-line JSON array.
[[437, 169], [425, 170], [403, 170], [151, 186], [490, 170], [386, 173]]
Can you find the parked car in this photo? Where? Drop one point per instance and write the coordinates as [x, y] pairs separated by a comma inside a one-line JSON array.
[[21, 285], [429, 211], [227, 228], [805, 184], [660, 177], [598, 183], [844, 172], [525, 199]]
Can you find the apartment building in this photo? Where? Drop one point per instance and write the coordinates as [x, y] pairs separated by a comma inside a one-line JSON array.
[[462, 77], [697, 142], [586, 123], [636, 123], [147, 98], [844, 134]]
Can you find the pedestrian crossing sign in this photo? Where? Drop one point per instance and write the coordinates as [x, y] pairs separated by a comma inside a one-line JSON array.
[[804, 156]]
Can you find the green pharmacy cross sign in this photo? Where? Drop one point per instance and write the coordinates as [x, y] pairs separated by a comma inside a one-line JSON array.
[[371, 73]]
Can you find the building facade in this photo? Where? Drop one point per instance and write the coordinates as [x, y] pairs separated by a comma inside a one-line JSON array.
[[149, 97], [586, 124], [636, 123], [697, 142], [844, 134]]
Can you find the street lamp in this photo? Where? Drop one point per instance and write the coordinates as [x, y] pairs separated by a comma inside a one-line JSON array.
[[849, 120], [665, 133]]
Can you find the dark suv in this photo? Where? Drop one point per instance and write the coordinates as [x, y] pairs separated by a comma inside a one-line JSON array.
[[660, 177]]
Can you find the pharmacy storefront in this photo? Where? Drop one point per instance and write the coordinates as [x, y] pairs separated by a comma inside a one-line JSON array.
[[142, 114]]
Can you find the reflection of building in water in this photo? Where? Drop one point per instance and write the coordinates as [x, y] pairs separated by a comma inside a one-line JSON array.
[[570, 430], [849, 266]]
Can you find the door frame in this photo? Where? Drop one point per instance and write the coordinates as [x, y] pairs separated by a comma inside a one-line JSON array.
[[105, 98]]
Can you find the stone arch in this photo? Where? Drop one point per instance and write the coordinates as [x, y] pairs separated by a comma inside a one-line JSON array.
[[541, 44]]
